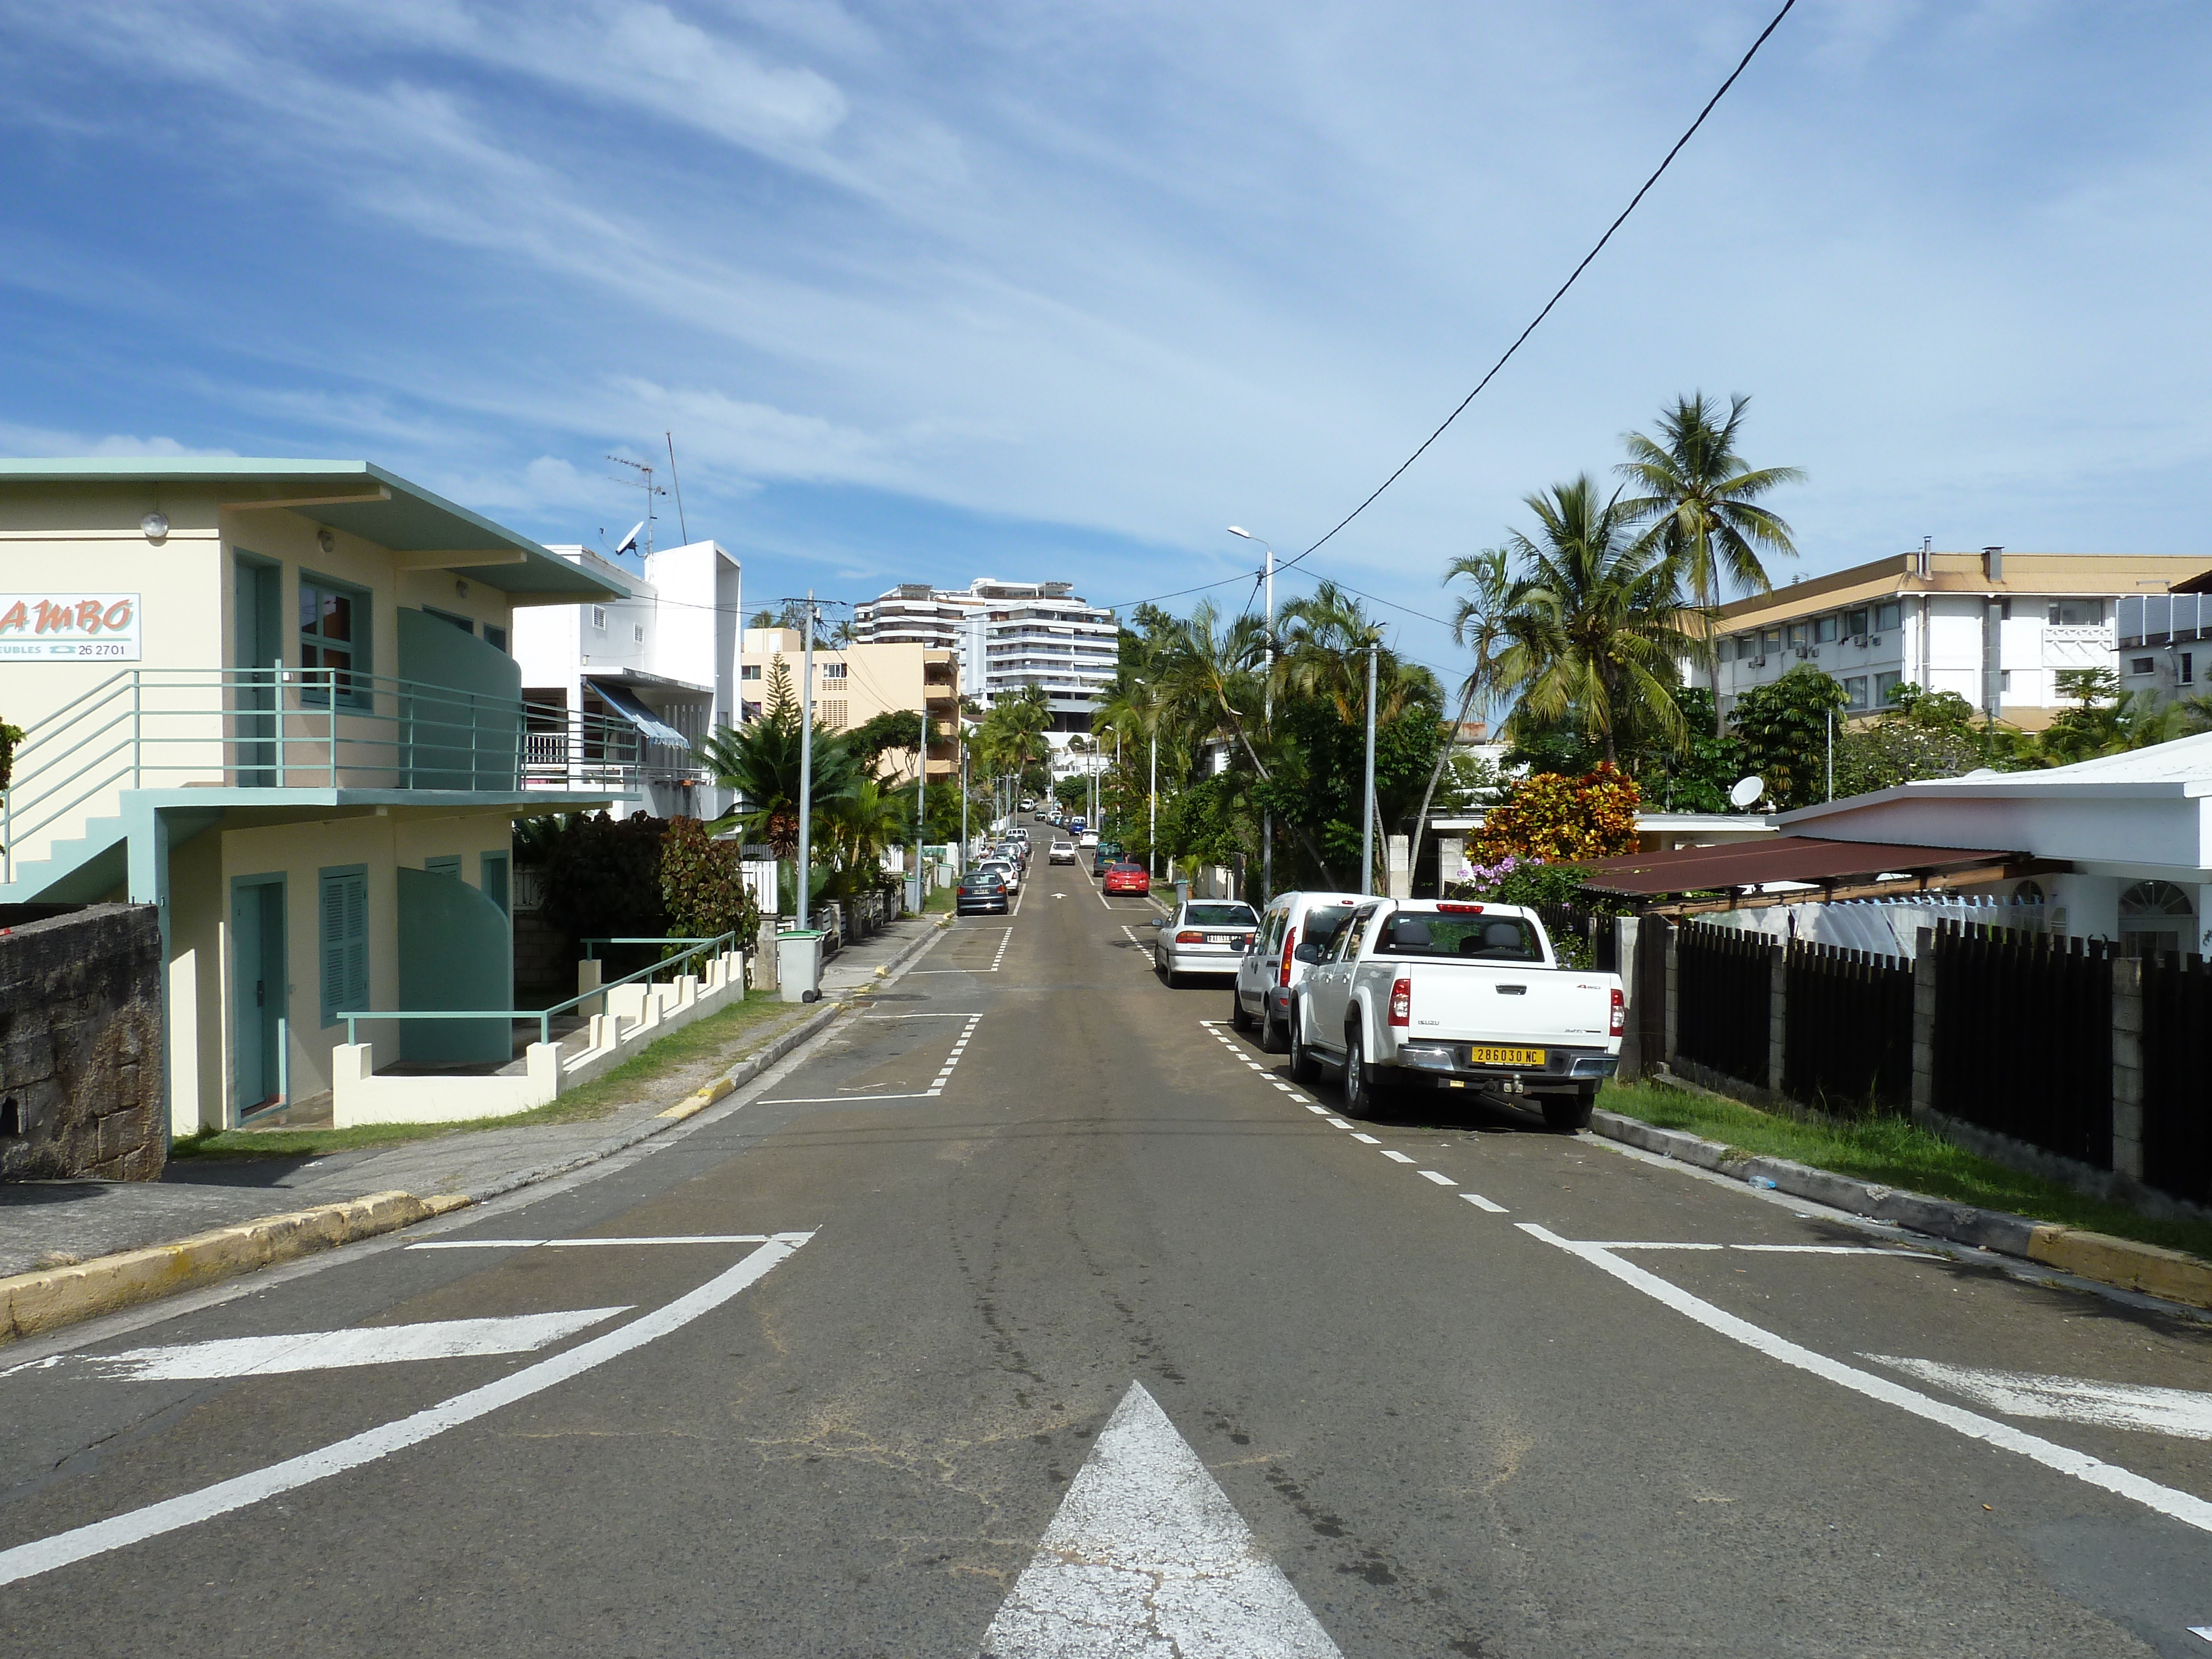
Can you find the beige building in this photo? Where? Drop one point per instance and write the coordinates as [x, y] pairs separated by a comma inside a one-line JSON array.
[[852, 686], [1995, 627], [275, 698]]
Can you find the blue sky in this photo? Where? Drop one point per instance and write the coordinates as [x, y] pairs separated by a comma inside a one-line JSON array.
[[928, 292]]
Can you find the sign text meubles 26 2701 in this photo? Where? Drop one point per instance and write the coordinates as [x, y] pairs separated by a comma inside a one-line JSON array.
[[45, 626]]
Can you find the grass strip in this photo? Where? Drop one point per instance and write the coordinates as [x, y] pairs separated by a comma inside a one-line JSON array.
[[717, 1037], [1894, 1151]]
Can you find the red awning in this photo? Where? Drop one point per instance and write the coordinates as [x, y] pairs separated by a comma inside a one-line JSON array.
[[1786, 857]]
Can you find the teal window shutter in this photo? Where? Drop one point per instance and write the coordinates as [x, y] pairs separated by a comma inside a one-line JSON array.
[[342, 921]]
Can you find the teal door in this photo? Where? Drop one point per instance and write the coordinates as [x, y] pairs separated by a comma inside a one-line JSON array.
[[257, 992], [256, 643]]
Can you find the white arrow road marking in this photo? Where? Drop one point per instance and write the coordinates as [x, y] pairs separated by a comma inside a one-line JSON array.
[[1147, 1557], [2180, 1411], [330, 1351], [2185, 1507], [136, 1526]]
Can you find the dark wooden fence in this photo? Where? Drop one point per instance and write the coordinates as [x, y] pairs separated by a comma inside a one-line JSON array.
[[1847, 1034], [1723, 990], [2176, 1077], [2023, 1038], [1571, 927]]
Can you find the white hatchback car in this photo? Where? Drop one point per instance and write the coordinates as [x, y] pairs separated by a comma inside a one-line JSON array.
[[1008, 870], [1296, 932], [1204, 936], [1063, 851]]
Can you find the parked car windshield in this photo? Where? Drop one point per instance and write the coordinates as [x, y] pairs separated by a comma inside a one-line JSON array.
[[1487, 939], [1220, 915]]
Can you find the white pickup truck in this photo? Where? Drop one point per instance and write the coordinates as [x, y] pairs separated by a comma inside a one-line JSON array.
[[1453, 995]]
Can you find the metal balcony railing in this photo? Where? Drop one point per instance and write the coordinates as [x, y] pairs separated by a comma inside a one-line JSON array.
[[293, 728]]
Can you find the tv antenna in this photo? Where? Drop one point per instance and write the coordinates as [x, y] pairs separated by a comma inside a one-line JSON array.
[[644, 481]]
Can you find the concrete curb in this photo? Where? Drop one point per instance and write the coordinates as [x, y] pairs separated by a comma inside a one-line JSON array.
[[2118, 1261], [40, 1301], [54, 1297]]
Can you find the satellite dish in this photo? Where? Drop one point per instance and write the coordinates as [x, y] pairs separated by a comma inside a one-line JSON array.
[[1747, 791], [628, 543]]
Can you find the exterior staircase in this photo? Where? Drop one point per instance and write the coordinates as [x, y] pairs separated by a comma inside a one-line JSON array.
[[76, 870]]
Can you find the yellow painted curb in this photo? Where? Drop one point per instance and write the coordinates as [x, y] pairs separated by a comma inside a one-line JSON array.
[[2146, 1267], [52, 1296], [699, 1102]]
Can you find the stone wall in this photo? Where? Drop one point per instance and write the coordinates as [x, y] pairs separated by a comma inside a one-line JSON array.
[[81, 1046]]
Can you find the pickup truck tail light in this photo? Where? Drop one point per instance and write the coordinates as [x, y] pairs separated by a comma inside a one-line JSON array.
[[1290, 945], [1401, 1003], [1187, 937], [1620, 1012]]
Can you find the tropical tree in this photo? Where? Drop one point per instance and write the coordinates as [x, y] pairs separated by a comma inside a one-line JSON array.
[[1701, 501], [760, 761], [1594, 623]]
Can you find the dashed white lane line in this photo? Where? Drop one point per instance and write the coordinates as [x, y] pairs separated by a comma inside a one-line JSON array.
[[171, 1515], [1317, 1109], [1394, 1156], [1482, 1203], [936, 1084], [1334, 1122], [1001, 954], [1365, 1140], [1441, 1180], [2185, 1507]]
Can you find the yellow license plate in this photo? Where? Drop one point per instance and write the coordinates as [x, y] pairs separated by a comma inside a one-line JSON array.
[[1506, 1056]]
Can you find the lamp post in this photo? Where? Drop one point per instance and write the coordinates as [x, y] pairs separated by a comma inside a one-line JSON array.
[[1266, 724], [1367, 823]]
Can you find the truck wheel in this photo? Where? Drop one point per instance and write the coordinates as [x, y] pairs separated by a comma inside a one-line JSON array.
[[1238, 1019], [1364, 1092], [1305, 1068], [1564, 1115]]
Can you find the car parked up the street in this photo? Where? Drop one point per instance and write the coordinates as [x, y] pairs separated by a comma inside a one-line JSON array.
[[1008, 870], [1267, 972], [1063, 851], [1126, 878], [1104, 856], [1204, 936], [981, 893]]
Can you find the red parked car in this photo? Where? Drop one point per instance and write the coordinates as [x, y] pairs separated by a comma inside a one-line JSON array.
[[1127, 878]]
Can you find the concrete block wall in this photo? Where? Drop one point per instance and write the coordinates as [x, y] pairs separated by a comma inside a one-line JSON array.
[[81, 1078]]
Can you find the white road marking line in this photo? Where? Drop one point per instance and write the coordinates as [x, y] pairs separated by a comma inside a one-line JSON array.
[[2185, 1507], [2182, 1411], [1644, 1244], [1395, 1156], [330, 1351], [576, 1243], [1441, 1180], [1830, 1249], [136, 1526], [1337, 1123], [2204, 1631], [1482, 1203], [1318, 1111], [1256, 1064], [841, 1100], [871, 1014], [1146, 1554], [1367, 1140]]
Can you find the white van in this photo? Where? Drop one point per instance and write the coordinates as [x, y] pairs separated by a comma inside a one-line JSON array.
[[1275, 963]]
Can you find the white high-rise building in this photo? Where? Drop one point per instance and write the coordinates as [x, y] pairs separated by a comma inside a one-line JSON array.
[[1008, 635]]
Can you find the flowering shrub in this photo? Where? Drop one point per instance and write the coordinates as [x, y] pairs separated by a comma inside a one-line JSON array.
[[1547, 817]]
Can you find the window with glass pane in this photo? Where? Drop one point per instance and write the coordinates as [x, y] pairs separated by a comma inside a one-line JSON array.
[[2075, 613], [1823, 630], [333, 643], [1855, 621], [1885, 616], [1799, 634], [1772, 639], [1854, 692], [1884, 684]]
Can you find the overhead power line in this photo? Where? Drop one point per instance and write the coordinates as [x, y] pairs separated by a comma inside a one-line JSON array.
[[1519, 339]]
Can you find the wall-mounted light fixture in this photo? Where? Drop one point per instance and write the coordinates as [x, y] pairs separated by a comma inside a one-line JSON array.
[[460, 587], [326, 541], [155, 526]]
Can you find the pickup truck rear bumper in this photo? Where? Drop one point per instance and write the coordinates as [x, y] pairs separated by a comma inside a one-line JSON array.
[[1446, 1063]]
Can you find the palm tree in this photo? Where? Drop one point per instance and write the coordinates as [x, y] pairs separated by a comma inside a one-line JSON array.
[[1480, 623], [1595, 624], [1703, 501], [760, 761]]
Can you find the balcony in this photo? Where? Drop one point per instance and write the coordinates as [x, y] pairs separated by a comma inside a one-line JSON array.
[[325, 731]]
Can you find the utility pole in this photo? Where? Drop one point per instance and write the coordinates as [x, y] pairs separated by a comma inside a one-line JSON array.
[[961, 863], [1268, 724], [1152, 834], [1367, 823], [1832, 753], [920, 804], [806, 759]]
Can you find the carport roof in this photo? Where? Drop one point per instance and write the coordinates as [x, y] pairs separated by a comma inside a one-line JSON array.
[[1808, 859]]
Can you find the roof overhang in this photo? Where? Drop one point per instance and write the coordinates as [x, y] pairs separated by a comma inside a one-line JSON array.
[[1796, 867], [425, 530]]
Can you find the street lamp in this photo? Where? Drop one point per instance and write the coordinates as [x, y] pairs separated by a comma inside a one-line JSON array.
[[1152, 801], [1268, 721]]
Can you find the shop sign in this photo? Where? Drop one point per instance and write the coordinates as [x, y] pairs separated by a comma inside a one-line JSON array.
[[46, 626]]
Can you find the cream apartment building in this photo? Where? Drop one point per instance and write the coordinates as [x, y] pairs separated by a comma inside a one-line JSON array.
[[853, 686], [1993, 626], [276, 699]]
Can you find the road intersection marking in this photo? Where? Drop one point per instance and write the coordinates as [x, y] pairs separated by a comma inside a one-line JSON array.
[[2183, 1413], [579, 1243], [330, 1351], [257, 1485], [1146, 1554]]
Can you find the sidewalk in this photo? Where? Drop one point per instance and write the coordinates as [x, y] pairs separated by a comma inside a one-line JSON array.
[[58, 1223]]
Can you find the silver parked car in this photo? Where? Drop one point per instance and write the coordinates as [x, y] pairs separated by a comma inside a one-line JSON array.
[[1296, 932], [1063, 851], [1204, 936]]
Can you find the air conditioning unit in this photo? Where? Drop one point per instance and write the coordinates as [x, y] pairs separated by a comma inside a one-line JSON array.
[[1859, 640], [1759, 662]]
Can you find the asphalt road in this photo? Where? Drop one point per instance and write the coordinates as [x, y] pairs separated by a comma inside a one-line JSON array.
[[872, 1337]]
